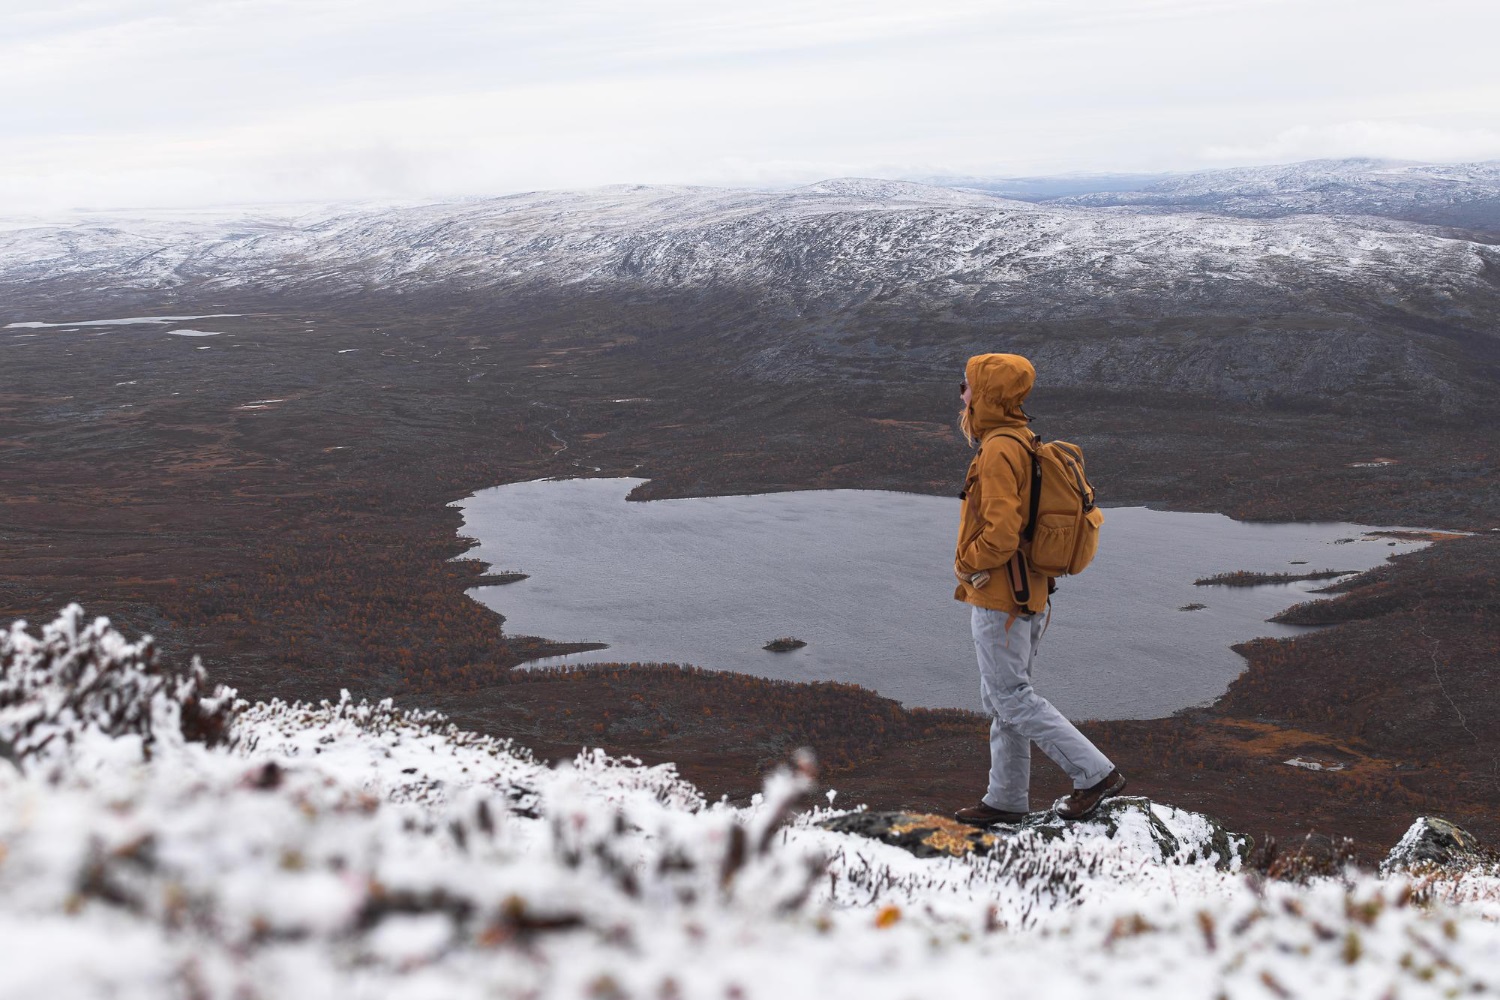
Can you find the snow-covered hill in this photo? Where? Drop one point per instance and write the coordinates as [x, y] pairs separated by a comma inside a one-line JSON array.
[[852, 238], [356, 849], [859, 276], [1466, 195]]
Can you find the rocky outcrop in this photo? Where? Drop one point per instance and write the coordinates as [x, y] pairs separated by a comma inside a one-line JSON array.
[[923, 834], [1161, 833], [1433, 845]]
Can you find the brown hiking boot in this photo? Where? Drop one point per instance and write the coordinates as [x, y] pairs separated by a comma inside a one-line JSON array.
[[986, 815], [1083, 801]]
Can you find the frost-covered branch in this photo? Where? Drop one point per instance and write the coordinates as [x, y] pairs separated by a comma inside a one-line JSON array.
[[77, 679]]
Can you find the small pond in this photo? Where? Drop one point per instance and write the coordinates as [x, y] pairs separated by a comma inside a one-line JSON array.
[[864, 577]]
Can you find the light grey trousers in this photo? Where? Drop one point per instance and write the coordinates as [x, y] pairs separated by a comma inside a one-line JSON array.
[[1019, 716]]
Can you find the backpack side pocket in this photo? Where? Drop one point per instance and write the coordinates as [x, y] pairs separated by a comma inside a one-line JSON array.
[[1086, 545], [1054, 542]]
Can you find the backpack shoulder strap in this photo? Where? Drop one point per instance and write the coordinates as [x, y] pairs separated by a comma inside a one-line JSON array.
[[1032, 445]]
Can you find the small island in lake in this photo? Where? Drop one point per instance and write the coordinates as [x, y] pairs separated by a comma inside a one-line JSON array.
[[784, 645], [1247, 578], [499, 579]]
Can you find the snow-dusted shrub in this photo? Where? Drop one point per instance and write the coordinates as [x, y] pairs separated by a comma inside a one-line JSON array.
[[78, 678], [1025, 878], [715, 857], [356, 849], [373, 838]]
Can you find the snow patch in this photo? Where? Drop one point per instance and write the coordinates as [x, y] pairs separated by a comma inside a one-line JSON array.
[[1313, 765], [128, 321]]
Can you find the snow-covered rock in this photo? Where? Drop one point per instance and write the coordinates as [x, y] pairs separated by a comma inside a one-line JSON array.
[[1433, 843], [1163, 833], [1448, 864]]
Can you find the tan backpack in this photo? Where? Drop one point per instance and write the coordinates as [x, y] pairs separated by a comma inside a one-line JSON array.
[[1062, 530]]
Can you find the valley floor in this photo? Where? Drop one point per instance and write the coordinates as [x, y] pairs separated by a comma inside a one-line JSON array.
[[279, 508]]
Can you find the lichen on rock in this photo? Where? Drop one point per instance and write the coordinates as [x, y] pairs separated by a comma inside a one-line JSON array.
[[1162, 833], [923, 834]]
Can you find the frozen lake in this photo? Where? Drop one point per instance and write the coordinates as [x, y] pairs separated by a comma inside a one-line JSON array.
[[865, 578]]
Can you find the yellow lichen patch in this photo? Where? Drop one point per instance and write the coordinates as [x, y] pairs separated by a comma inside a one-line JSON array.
[[948, 836]]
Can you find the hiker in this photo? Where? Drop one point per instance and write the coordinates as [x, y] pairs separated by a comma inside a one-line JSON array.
[[1010, 598]]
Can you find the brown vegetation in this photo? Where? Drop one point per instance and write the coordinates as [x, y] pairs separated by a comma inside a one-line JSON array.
[[306, 547], [634, 707]]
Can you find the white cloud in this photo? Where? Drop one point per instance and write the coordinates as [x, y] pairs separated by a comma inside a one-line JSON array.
[[194, 101]]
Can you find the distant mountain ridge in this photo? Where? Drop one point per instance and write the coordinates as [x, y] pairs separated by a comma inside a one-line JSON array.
[[1460, 195], [850, 236], [865, 276]]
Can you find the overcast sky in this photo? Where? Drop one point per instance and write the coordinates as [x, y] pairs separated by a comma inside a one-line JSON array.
[[132, 103]]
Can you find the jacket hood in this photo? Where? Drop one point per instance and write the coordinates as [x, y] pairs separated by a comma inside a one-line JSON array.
[[998, 385]]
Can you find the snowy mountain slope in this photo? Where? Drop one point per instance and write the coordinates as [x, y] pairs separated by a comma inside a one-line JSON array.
[[850, 274], [352, 848], [838, 237], [1464, 195]]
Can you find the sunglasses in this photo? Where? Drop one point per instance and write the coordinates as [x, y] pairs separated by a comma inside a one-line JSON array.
[[963, 387]]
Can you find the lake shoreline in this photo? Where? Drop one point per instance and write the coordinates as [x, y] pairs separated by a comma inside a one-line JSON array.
[[649, 581]]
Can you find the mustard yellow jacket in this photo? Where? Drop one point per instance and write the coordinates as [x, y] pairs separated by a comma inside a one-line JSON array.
[[997, 488]]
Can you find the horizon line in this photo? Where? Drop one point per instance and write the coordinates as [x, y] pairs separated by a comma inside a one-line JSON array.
[[933, 179]]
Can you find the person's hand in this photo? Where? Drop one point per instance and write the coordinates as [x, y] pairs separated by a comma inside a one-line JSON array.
[[975, 580]]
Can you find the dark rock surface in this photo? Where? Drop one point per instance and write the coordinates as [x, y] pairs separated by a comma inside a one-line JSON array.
[[1433, 844], [1197, 838]]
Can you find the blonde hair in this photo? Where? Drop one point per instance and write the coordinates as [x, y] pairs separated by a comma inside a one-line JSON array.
[[966, 424]]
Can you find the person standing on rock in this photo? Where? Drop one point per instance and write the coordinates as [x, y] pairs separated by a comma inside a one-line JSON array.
[[1009, 599]]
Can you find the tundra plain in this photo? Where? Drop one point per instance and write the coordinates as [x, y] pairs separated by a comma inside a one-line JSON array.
[[274, 498]]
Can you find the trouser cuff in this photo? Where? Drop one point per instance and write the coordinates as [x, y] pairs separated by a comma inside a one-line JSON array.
[[1092, 779], [1023, 807]]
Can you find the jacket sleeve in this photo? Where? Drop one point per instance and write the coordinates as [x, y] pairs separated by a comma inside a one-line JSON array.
[[1002, 483]]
